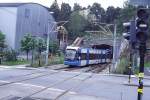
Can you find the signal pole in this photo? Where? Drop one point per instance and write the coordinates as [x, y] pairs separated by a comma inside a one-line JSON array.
[[142, 50], [141, 35]]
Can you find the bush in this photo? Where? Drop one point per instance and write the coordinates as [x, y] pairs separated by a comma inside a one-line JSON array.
[[56, 59], [10, 55], [122, 68], [17, 62], [53, 47]]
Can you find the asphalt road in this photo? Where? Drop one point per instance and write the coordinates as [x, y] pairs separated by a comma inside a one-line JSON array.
[[44, 84]]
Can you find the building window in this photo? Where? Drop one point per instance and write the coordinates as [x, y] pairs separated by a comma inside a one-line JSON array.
[[27, 13]]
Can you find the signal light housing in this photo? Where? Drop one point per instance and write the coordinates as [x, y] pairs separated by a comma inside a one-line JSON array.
[[142, 25]]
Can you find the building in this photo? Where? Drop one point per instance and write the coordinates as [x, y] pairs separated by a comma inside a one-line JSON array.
[[140, 2], [17, 19]]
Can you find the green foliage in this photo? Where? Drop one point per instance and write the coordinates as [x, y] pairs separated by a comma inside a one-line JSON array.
[[17, 62], [55, 8], [65, 12], [40, 44], [2, 42], [126, 14], [27, 43], [147, 64], [56, 60], [10, 55], [98, 11], [76, 25], [77, 7], [53, 47], [123, 66], [112, 14]]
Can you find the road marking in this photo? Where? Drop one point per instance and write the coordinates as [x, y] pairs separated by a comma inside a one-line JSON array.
[[42, 74], [4, 81], [60, 82], [31, 85], [38, 86], [69, 90]]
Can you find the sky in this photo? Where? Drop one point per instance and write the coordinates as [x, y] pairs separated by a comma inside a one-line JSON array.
[[84, 3]]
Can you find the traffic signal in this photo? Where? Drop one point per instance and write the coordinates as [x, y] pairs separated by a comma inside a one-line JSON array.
[[141, 35], [126, 35], [130, 30], [142, 25]]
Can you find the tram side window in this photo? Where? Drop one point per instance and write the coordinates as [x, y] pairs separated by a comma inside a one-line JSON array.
[[83, 56], [93, 56]]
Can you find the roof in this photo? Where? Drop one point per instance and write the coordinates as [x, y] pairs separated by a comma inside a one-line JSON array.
[[18, 4]]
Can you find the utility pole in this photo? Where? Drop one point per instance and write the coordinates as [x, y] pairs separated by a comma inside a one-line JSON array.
[[114, 46], [47, 46], [48, 40], [33, 47]]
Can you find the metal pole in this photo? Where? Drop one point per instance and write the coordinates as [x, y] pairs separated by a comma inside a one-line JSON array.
[[48, 40], [114, 46], [32, 60], [130, 66], [47, 46], [142, 50]]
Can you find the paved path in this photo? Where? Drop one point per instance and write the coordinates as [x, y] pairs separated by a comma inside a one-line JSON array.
[[44, 84]]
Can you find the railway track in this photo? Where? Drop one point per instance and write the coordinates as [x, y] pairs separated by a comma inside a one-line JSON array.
[[92, 68]]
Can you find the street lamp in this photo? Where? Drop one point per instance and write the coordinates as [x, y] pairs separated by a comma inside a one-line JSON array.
[[48, 39], [48, 36]]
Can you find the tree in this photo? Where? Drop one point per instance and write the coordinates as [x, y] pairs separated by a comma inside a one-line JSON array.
[[27, 43], [55, 8], [77, 7], [98, 11], [2, 41], [77, 24], [65, 11], [53, 47], [126, 14], [10, 55], [2, 45], [40, 46], [112, 14]]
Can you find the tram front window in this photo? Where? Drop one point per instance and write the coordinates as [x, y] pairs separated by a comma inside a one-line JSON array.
[[70, 54]]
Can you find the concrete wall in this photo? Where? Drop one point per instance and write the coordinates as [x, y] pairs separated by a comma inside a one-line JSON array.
[[8, 17]]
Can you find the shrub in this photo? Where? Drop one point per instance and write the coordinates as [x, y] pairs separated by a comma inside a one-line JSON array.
[[123, 66], [10, 55]]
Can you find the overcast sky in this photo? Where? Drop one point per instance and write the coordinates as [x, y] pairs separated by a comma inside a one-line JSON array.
[[84, 3]]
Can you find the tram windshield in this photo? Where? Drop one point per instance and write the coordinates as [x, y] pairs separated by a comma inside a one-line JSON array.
[[70, 54]]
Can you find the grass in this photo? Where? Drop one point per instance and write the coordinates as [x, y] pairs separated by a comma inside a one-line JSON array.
[[56, 60], [53, 60], [122, 68], [17, 62], [147, 64]]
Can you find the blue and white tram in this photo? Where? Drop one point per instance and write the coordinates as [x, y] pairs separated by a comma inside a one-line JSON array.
[[76, 56]]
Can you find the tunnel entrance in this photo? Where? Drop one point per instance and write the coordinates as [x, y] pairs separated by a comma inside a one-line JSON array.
[[109, 48]]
